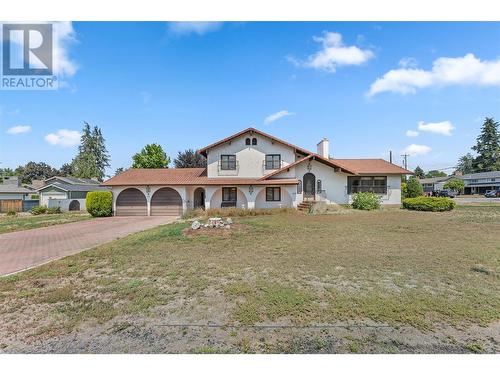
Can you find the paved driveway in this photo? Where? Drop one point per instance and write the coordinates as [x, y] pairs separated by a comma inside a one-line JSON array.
[[477, 199], [29, 248]]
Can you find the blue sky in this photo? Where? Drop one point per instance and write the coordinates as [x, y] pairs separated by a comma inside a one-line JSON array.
[[421, 88]]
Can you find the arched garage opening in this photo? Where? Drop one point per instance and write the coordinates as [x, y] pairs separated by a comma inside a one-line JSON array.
[[74, 205], [166, 202], [131, 202]]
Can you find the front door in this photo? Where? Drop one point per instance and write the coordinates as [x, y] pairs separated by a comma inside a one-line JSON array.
[[309, 183]]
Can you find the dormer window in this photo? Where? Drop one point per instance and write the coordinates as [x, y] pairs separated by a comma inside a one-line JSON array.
[[254, 141], [247, 142]]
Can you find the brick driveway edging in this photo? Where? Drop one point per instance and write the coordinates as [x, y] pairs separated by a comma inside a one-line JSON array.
[[30, 248]]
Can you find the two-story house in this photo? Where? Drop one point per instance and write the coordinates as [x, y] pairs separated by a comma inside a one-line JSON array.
[[252, 169]]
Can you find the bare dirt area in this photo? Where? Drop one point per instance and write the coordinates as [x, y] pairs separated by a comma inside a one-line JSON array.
[[390, 281]]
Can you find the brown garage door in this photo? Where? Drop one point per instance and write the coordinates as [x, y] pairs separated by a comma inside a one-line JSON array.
[[166, 202], [131, 202]]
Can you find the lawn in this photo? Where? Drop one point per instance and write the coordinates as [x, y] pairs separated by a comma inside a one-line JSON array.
[[27, 221], [351, 281]]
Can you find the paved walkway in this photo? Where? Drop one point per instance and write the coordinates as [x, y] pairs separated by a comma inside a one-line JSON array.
[[29, 248]]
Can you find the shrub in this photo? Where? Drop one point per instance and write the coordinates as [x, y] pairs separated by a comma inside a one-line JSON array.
[[53, 210], [414, 188], [434, 204], [99, 203], [11, 213], [366, 201], [404, 190], [38, 210], [455, 184]]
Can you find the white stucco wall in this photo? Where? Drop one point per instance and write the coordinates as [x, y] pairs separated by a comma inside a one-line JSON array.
[[241, 199], [250, 159], [63, 204], [286, 199], [393, 196]]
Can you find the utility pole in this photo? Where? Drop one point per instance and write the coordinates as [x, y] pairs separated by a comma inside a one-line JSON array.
[[390, 156], [405, 160]]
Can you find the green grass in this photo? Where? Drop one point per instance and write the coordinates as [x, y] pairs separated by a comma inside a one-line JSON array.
[[393, 267], [23, 222]]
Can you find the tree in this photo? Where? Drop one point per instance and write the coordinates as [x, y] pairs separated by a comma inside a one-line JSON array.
[[119, 170], [190, 159], [487, 147], [66, 170], [455, 184], [414, 188], [419, 172], [7, 172], [435, 173], [35, 171], [151, 156], [92, 158], [466, 164]]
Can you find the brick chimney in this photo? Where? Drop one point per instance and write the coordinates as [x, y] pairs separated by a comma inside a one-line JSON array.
[[324, 148]]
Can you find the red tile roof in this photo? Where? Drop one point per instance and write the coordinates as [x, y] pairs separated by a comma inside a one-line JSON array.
[[184, 176], [371, 166]]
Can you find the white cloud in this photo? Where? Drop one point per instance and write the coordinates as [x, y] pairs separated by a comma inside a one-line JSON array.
[[333, 54], [444, 127], [276, 116], [64, 138], [200, 28], [64, 37], [408, 62], [411, 133], [467, 70], [414, 150], [19, 129]]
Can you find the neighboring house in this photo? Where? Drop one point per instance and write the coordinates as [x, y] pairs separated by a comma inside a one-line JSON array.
[[14, 197], [252, 169], [68, 193], [475, 183], [434, 183], [480, 183]]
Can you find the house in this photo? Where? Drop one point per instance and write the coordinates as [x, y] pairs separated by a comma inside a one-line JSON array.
[[252, 169], [480, 183], [68, 193], [14, 197], [475, 183], [434, 183]]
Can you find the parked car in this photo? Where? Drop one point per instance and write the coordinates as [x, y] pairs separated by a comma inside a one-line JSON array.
[[447, 193], [492, 194]]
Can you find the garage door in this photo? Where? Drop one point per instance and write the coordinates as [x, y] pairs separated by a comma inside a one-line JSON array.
[[166, 202], [131, 202]]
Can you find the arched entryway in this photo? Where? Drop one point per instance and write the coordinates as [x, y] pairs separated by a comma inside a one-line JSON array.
[[166, 202], [74, 205], [131, 202], [309, 186], [199, 198]]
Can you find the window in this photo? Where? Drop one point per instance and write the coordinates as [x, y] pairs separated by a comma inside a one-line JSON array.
[[247, 141], [273, 194], [228, 162], [229, 194], [273, 161], [374, 184], [254, 141], [319, 188], [299, 187]]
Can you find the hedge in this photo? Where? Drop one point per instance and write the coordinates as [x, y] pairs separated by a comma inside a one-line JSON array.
[[366, 201], [434, 204], [99, 203]]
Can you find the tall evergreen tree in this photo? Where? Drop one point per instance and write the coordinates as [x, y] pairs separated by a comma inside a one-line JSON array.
[[66, 170], [92, 158], [190, 159], [487, 147], [466, 164], [419, 172]]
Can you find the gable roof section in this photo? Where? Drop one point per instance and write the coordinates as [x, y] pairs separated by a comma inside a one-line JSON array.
[[72, 180], [370, 166], [76, 187], [184, 176], [6, 188], [203, 151], [316, 157]]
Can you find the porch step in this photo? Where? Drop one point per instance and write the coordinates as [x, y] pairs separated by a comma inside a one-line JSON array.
[[305, 206]]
